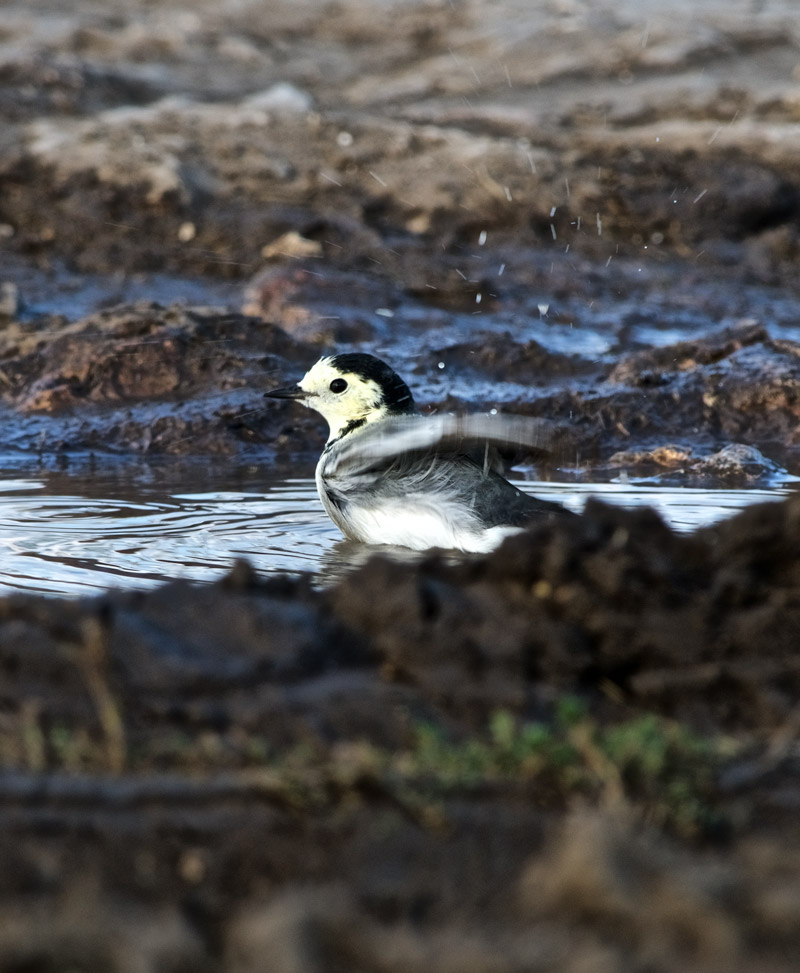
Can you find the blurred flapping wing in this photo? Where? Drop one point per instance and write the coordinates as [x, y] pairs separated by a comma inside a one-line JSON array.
[[477, 436]]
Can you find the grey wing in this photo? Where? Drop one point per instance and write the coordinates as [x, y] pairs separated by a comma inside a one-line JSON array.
[[441, 455], [499, 503], [451, 435]]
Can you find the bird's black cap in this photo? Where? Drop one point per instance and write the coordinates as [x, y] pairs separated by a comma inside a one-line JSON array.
[[396, 394]]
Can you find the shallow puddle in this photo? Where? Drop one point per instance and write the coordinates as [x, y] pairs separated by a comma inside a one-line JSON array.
[[80, 533]]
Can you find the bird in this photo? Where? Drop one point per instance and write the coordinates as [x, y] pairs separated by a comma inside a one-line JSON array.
[[390, 476]]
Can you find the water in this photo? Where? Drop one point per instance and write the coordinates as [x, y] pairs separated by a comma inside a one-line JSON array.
[[81, 532]]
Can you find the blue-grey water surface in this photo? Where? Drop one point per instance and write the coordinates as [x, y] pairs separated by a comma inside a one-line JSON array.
[[70, 533]]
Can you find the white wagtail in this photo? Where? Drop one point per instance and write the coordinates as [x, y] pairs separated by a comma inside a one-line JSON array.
[[388, 475]]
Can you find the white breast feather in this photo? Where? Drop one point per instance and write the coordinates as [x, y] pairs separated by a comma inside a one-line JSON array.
[[419, 523]]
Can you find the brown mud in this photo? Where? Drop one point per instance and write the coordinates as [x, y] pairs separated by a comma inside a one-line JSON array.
[[578, 753], [258, 770]]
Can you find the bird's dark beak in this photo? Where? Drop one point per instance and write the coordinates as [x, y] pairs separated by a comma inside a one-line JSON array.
[[288, 392]]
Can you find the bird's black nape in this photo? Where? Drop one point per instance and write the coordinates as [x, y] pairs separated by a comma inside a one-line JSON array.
[[396, 394]]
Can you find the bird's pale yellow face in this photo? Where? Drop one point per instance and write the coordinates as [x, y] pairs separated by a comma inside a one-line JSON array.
[[344, 399]]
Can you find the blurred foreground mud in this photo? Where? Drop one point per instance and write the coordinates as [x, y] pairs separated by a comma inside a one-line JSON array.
[[208, 776], [577, 754]]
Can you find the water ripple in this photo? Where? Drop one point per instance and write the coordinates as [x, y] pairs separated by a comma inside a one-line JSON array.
[[71, 543]]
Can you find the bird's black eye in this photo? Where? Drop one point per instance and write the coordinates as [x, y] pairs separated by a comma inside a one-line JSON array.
[[338, 385]]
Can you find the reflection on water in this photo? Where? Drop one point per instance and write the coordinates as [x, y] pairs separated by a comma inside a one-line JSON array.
[[64, 534]]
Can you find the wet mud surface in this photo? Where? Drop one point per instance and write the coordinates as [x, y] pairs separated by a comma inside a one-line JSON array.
[[576, 750], [583, 213], [578, 753]]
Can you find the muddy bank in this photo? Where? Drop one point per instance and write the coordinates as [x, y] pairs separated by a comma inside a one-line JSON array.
[[190, 139], [424, 763], [152, 380], [515, 206]]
